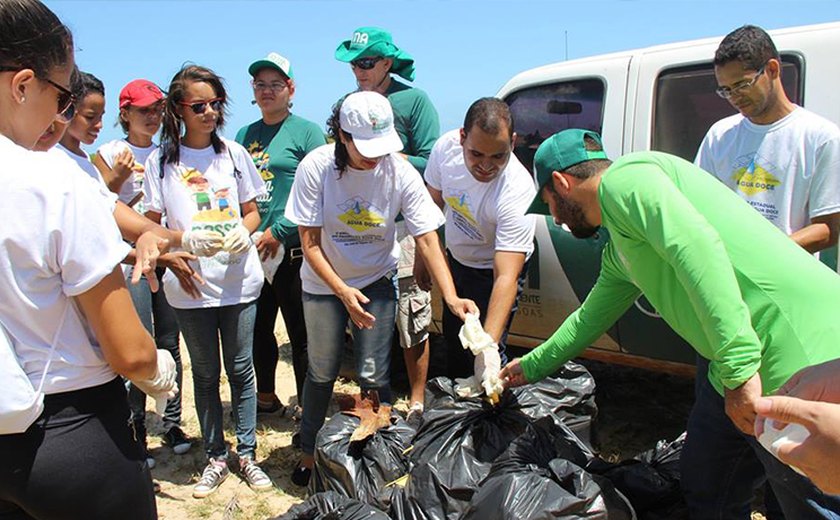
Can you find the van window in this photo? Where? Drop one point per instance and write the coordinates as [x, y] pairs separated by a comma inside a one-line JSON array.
[[686, 105], [539, 112]]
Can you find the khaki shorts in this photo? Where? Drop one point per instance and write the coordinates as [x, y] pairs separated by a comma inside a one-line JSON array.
[[414, 313]]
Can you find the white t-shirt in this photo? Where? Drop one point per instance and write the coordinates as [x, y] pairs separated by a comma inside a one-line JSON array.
[[83, 162], [62, 155], [356, 214], [203, 191], [481, 217], [789, 170], [58, 240], [133, 186]]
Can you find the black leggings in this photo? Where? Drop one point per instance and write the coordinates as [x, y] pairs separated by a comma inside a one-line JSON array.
[[78, 460], [285, 292]]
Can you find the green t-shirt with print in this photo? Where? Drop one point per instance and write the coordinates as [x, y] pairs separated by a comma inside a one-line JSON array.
[[740, 291], [276, 151], [415, 120]]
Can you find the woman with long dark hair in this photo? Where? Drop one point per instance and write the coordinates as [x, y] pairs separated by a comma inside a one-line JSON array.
[[205, 182], [68, 325]]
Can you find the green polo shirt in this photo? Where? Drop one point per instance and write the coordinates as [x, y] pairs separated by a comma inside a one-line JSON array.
[[276, 151], [742, 293]]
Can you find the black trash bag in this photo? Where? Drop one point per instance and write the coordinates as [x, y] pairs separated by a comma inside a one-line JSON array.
[[650, 480], [332, 506], [359, 469], [532, 480], [458, 442], [568, 396]]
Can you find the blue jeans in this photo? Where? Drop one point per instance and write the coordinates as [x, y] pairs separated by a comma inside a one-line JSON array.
[[159, 319], [477, 285], [721, 467], [326, 322], [201, 329]]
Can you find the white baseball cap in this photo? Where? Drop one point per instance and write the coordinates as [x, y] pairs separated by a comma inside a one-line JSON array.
[[367, 116]]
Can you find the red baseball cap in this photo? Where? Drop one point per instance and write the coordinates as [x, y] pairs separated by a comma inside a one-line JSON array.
[[140, 93]]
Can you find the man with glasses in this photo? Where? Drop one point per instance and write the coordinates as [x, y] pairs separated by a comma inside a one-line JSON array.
[[374, 58], [785, 162], [277, 142]]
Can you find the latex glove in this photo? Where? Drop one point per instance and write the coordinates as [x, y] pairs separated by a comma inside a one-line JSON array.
[[487, 366], [237, 240], [473, 336], [162, 385], [202, 242], [772, 438], [466, 387]]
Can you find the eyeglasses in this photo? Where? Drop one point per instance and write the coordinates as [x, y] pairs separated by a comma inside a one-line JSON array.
[[728, 92], [201, 106], [66, 99], [274, 86], [366, 63]]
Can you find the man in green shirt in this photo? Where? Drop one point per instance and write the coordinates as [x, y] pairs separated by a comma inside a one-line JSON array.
[[746, 298], [277, 142], [375, 60]]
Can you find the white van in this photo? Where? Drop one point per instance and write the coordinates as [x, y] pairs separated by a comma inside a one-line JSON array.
[[657, 98]]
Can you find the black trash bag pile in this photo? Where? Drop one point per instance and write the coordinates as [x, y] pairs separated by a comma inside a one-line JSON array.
[[541, 476], [332, 506], [568, 396], [359, 469], [650, 480], [459, 441]]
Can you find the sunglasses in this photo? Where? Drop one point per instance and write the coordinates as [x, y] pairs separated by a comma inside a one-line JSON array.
[[366, 63], [66, 99], [201, 107]]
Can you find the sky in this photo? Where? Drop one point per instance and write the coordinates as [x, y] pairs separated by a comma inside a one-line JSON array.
[[463, 49]]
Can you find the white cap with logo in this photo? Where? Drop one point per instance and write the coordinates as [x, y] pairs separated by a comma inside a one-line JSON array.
[[368, 117]]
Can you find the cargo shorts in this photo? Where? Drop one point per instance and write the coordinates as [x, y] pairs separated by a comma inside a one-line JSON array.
[[414, 313]]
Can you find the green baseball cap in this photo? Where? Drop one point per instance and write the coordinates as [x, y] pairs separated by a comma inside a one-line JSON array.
[[272, 61], [557, 153], [372, 41]]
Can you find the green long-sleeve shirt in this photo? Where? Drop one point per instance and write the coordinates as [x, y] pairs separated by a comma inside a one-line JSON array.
[[742, 293], [277, 150]]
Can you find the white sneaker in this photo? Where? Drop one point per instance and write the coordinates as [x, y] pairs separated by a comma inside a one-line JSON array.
[[214, 474], [254, 475]]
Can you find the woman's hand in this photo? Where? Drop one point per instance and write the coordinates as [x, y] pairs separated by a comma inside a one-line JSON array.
[[178, 263], [353, 299], [267, 245], [123, 166], [148, 248]]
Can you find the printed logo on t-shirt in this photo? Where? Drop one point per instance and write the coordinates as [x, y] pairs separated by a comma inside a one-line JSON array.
[[361, 215], [214, 211], [752, 176], [462, 215], [261, 158]]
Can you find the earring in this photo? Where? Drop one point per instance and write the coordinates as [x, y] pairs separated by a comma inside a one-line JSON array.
[[23, 99]]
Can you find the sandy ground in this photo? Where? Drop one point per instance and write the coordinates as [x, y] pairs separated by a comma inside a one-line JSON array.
[[636, 408], [176, 474]]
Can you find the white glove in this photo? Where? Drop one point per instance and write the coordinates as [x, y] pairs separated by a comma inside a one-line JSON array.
[[473, 336], [487, 366], [201, 242], [162, 385], [772, 438], [237, 240]]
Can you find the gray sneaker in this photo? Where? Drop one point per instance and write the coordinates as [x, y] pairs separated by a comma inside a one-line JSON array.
[[254, 475], [214, 474]]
